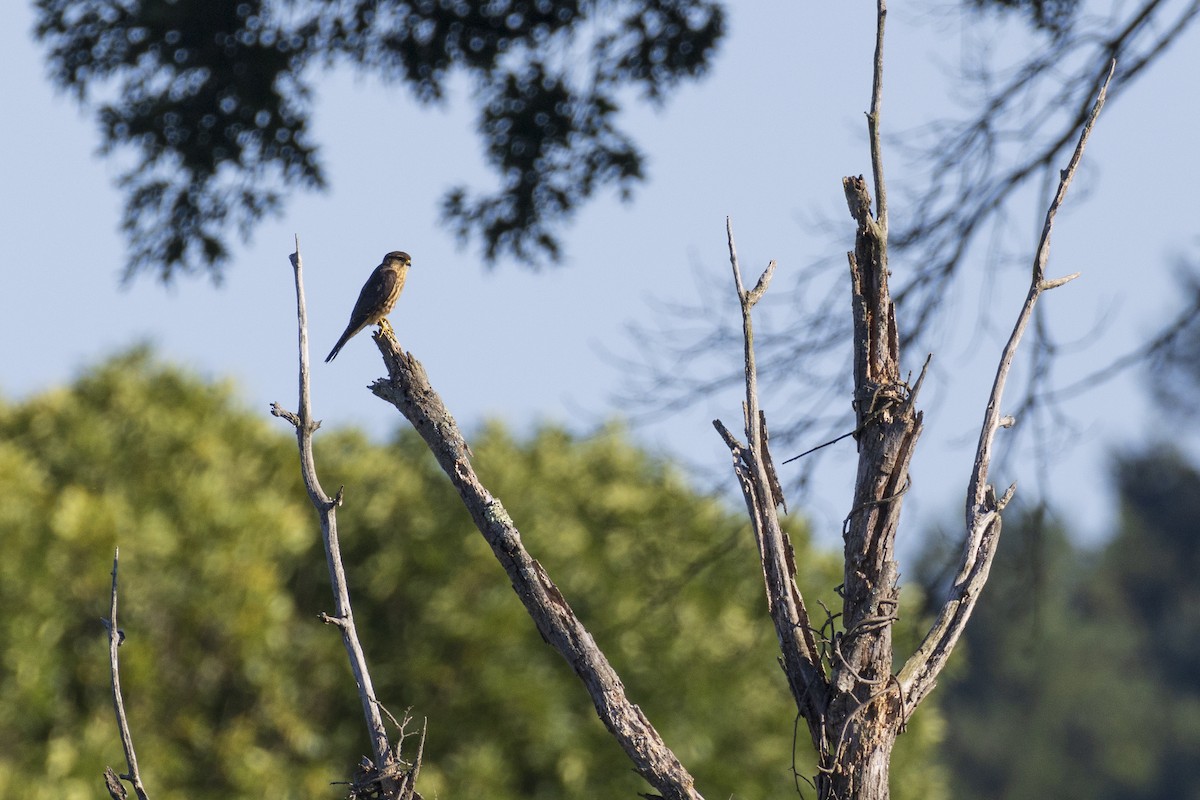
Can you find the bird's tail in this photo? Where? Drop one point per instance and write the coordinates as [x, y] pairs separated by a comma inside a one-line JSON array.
[[337, 348], [347, 335]]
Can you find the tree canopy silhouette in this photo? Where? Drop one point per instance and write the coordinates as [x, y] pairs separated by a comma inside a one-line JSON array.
[[214, 97]]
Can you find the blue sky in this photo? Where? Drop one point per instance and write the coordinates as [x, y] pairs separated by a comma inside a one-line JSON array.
[[766, 139]]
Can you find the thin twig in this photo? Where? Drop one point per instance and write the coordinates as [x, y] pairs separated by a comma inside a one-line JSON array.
[[810, 450], [1166, 336], [1037, 285], [115, 637], [873, 120]]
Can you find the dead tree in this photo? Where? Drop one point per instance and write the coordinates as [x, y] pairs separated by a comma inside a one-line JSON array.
[[844, 684], [854, 702]]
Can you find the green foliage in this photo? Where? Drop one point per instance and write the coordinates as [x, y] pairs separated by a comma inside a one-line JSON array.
[[214, 97], [222, 670], [233, 687]]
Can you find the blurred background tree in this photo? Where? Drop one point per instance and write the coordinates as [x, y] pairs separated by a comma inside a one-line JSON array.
[[1079, 675], [233, 687]]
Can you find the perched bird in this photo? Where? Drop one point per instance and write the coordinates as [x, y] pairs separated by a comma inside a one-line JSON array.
[[377, 297]]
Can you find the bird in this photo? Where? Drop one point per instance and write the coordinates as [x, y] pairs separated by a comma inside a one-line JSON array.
[[377, 297]]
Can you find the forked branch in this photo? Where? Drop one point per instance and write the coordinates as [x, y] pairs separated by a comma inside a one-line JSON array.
[[389, 771], [983, 506], [756, 476]]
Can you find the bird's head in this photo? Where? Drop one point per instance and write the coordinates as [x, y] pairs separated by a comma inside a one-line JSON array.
[[398, 257]]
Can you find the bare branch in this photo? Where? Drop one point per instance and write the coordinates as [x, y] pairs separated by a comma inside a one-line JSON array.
[[764, 281], [343, 616], [1043, 251], [853, 707], [983, 508], [115, 637], [801, 657], [873, 117], [1037, 285], [416, 765], [863, 714], [407, 387]]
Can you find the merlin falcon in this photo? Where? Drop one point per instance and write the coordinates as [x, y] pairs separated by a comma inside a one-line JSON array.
[[377, 297]]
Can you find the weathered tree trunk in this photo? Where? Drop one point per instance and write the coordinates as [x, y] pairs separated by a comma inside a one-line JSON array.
[[861, 772], [864, 715]]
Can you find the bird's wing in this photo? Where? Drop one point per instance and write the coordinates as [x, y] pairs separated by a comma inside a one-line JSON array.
[[374, 295]]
